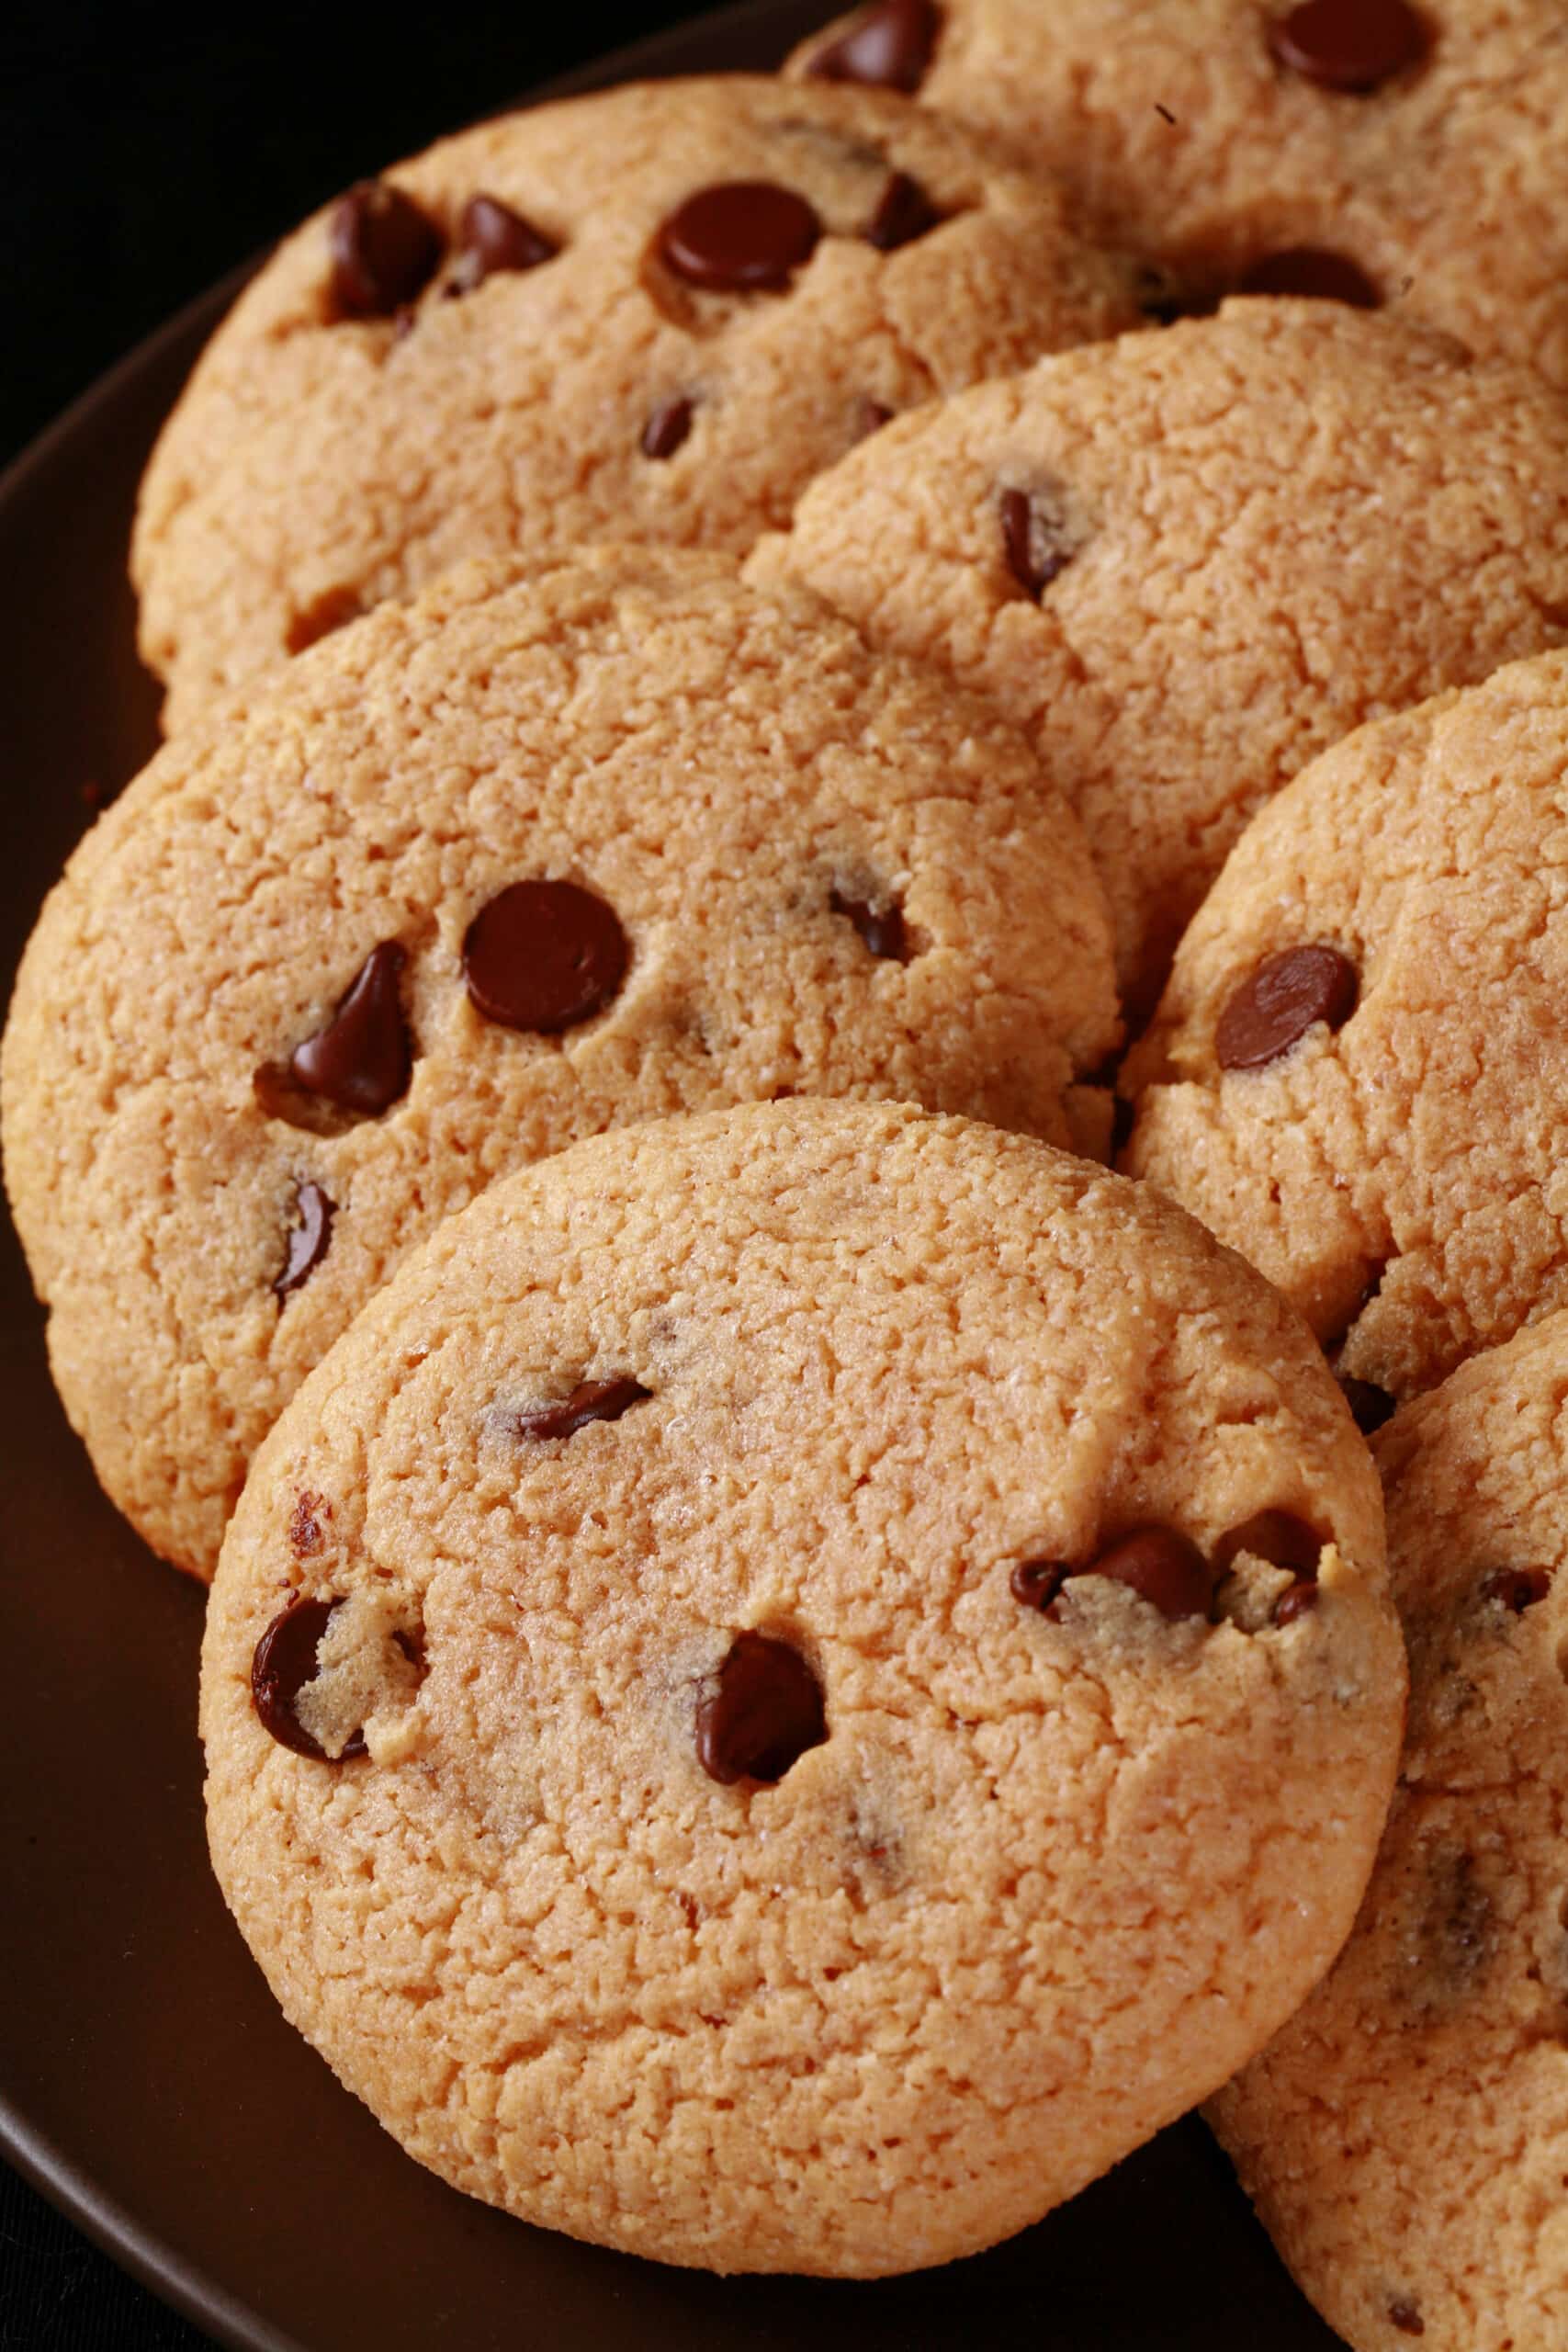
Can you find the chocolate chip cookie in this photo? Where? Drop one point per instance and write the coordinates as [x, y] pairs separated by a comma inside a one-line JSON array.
[[652, 313], [799, 1682], [487, 873], [1187, 561], [1406, 152], [1406, 2138], [1358, 1075]]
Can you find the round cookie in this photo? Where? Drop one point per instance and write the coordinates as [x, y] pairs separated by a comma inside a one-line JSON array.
[[1187, 561], [803, 1822], [550, 330], [1358, 1075], [484, 875], [1406, 2138], [1408, 154]]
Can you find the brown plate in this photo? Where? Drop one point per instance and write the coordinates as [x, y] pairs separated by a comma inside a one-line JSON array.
[[147, 2083]]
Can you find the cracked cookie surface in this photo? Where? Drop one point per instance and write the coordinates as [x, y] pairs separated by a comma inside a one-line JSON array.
[[860, 1957], [489, 872], [610, 352]]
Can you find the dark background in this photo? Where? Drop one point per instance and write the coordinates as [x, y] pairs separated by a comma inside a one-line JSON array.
[[144, 153]]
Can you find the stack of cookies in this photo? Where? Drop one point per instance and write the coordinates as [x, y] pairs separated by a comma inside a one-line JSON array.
[[765, 682]]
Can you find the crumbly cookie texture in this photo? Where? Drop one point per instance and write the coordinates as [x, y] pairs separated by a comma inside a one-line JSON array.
[[591, 359], [1406, 2138], [1187, 561], [1358, 1075], [1420, 146], [487, 873], [764, 1876]]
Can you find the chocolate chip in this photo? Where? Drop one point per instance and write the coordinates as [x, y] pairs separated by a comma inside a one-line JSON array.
[[1031, 535], [1349, 44], [363, 1058], [492, 238], [1309, 271], [385, 250], [740, 236], [1406, 2318], [881, 927], [308, 1240], [1370, 1406], [1277, 1536], [889, 44], [590, 1400], [667, 428], [1517, 1589], [1279, 1002], [1162, 1567], [1298, 1600], [283, 1662], [904, 212], [544, 955], [764, 1712], [1036, 1583]]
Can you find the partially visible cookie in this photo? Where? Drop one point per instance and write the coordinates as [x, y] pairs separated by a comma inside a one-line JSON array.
[[860, 1676], [491, 872], [1406, 2138], [1402, 152], [1189, 561], [651, 313], [1358, 1075]]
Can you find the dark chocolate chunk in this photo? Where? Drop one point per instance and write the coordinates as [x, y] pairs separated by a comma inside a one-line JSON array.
[[1298, 1600], [764, 1711], [667, 428], [363, 1058], [283, 1662], [1279, 1000], [544, 955], [385, 250], [1349, 44], [308, 1240], [1166, 1568], [890, 44], [1406, 2318], [1371, 1405], [740, 236], [904, 212], [1517, 1589], [590, 1400], [492, 238], [1277, 1536], [1030, 536], [1310, 271], [881, 927], [1037, 1582]]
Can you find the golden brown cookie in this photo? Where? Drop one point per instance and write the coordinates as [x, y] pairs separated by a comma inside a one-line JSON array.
[[1406, 2138], [857, 1658], [651, 313], [1409, 153], [1358, 1075], [487, 873], [1189, 561]]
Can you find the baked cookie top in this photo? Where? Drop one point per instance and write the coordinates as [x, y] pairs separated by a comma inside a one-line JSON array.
[[1187, 561], [858, 1657], [1408, 154], [651, 313], [487, 873], [1359, 1072], [1406, 2138]]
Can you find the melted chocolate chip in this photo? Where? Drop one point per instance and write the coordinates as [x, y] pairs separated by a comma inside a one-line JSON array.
[[283, 1662], [1164, 1567], [1349, 44], [492, 238], [590, 1400], [667, 428], [363, 1058], [1035, 552], [544, 955], [1279, 1000], [308, 1240], [1298, 1600], [1370, 1406], [889, 45], [1406, 2318], [763, 1714], [1311, 272], [904, 212], [740, 236], [1517, 1589], [385, 250], [1277, 1536], [881, 927], [1036, 1583]]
